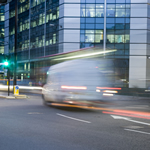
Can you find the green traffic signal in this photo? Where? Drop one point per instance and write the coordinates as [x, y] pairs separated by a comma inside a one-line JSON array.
[[6, 63]]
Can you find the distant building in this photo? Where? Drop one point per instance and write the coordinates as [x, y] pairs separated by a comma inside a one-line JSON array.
[[47, 27]]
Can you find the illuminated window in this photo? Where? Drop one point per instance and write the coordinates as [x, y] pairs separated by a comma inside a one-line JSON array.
[[99, 36], [57, 12], [54, 38], [119, 38]]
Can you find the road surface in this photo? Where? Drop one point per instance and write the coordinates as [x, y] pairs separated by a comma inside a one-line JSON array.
[[26, 124]]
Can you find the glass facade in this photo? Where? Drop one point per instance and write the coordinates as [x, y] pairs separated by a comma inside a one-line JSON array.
[[47, 27], [117, 24], [113, 18], [2, 19], [37, 28], [92, 23]]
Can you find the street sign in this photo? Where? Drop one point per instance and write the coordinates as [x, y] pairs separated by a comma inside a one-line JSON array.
[[16, 90]]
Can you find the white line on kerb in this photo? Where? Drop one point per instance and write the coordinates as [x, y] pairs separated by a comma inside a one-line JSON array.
[[137, 131], [73, 118]]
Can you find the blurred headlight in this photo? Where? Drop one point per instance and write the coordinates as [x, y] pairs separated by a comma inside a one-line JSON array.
[[97, 90], [74, 87], [109, 91], [107, 94]]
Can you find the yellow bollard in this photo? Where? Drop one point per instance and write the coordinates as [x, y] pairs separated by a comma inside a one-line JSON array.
[[16, 90]]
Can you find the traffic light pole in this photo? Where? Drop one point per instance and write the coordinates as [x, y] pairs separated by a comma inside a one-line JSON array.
[[8, 76], [15, 52]]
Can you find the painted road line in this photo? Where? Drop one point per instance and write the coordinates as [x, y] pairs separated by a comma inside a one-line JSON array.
[[73, 118], [128, 115], [128, 119], [34, 113], [137, 131]]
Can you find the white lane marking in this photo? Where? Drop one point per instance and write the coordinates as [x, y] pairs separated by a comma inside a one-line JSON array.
[[34, 113], [128, 119], [136, 131], [73, 118]]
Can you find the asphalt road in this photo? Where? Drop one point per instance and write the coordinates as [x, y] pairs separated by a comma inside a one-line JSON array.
[[29, 125]]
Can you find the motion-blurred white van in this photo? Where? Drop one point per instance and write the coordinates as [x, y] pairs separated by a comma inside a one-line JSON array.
[[80, 81]]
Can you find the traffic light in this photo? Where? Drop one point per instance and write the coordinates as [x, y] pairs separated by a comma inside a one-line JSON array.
[[6, 63]]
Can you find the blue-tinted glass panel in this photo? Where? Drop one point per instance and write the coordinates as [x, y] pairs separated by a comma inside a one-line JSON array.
[[82, 5], [90, 20], [120, 20], [82, 45], [99, 20], [120, 26], [127, 20], [110, 26], [82, 38], [127, 26], [82, 1], [110, 46], [119, 46], [99, 26], [120, 1], [82, 26], [128, 1], [126, 52], [90, 1], [127, 12], [99, 1], [89, 44], [82, 20], [119, 52], [82, 31], [110, 1], [110, 20], [127, 46], [90, 26]]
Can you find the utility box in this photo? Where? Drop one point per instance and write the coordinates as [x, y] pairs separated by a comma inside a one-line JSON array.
[[16, 90]]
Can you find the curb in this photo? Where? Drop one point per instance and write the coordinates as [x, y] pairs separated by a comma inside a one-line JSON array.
[[15, 97], [20, 96], [10, 97]]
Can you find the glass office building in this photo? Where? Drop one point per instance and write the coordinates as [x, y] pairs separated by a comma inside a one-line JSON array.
[[2, 29], [47, 27]]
